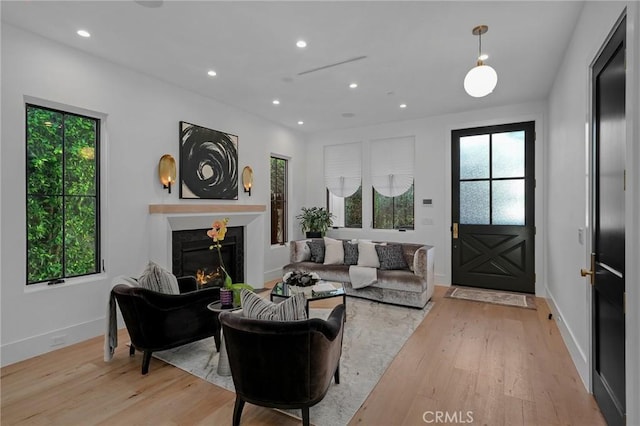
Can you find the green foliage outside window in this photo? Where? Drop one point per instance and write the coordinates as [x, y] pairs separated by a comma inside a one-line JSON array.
[[393, 212], [62, 195], [278, 200], [353, 210]]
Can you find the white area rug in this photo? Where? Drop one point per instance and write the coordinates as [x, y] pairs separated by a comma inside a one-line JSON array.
[[374, 334]]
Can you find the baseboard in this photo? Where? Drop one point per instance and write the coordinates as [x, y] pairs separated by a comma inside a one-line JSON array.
[[441, 280], [578, 356], [272, 274], [37, 345]]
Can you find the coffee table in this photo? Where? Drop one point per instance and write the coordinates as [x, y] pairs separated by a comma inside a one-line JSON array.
[[282, 290]]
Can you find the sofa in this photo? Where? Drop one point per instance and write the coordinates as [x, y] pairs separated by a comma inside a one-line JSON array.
[[411, 285]]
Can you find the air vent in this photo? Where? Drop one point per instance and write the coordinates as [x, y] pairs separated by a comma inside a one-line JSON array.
[[332, 65]]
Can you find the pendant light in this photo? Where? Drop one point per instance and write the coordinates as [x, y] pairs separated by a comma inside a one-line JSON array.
[[481, 79]]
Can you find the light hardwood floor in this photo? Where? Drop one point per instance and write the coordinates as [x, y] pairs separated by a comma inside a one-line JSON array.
[[476, 363]]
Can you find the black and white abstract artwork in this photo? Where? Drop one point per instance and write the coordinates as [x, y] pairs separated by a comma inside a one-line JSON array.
[[208, 163]]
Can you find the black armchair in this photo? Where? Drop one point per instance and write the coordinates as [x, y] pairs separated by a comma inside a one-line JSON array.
[[157, 321], [283, 364]]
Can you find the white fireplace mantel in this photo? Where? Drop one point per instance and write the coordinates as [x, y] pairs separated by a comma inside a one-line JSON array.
[[166, 218]]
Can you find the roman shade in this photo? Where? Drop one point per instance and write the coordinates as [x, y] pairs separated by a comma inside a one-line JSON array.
[[392, 165], [343, 168]]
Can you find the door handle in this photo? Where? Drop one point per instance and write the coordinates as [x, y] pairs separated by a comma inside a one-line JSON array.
[[455, 230], [585, 272], [590, 272]]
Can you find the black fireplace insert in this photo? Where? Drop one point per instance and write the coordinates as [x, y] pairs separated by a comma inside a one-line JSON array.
[[191, 256]]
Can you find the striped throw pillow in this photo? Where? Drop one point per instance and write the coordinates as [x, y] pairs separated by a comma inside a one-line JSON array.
[[291, 309], [159, 279]]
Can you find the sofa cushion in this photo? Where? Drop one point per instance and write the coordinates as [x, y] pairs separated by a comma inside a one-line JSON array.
[[302, 251], [350, 252], [333, 252], [402, 280], [391, 256], [291, 309], [158, 279], [367, 255], [317, 250]]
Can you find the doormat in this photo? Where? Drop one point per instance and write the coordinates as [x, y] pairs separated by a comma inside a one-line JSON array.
[[496, 297]]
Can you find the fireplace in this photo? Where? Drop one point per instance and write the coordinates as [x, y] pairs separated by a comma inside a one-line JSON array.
[[165, 219], [191, 256]]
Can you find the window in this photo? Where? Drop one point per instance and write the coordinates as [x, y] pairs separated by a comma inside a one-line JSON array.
[[393, 212], [63, 197], [343, 180], [392, 178], [347, 211], [492, 178], [278, 200]]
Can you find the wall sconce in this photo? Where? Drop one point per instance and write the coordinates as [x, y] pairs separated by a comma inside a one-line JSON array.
[[247, 179], [167, 171]]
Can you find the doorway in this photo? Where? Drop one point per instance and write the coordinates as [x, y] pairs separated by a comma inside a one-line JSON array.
[[493, 188], [607, 272]]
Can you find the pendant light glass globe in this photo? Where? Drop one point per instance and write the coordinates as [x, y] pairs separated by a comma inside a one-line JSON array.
[[480, 81]]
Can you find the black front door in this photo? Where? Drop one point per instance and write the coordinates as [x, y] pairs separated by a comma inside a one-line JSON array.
[[608, 310], [492, 208]]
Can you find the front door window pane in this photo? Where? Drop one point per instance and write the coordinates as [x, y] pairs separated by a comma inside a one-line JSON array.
[[508, 202], [474, 157], [474, 203], [507, 154]]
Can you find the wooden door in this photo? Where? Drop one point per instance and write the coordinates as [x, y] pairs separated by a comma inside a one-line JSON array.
[[608, 263], [493, 188]]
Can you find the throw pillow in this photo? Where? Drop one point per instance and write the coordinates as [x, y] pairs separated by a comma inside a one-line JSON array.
[[303, 253], [333, 252], [159, 279], [291, 309], [350, 252], [391, 257], [367, 255], [317, 250]]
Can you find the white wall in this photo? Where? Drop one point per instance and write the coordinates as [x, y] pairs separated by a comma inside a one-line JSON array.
[[567, 190], [432, 176], [141, 118]]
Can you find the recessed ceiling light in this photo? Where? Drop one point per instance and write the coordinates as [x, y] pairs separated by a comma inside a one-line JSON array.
[[276, 102], [301, 44], [83, 33], [483, 57], [301, 122], [403, 105], [212, 73], [353, 85]]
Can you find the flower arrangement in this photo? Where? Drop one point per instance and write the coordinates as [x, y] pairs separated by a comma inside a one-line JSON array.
[[217, 233], [300, 279]]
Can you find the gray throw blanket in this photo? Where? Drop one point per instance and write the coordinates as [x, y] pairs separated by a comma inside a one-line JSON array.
[[111, 320], [362, 276]]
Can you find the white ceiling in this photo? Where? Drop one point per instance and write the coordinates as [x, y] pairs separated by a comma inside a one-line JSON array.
[[416, 52]]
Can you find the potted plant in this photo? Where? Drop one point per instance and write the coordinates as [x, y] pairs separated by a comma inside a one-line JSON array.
[[315, 221]]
